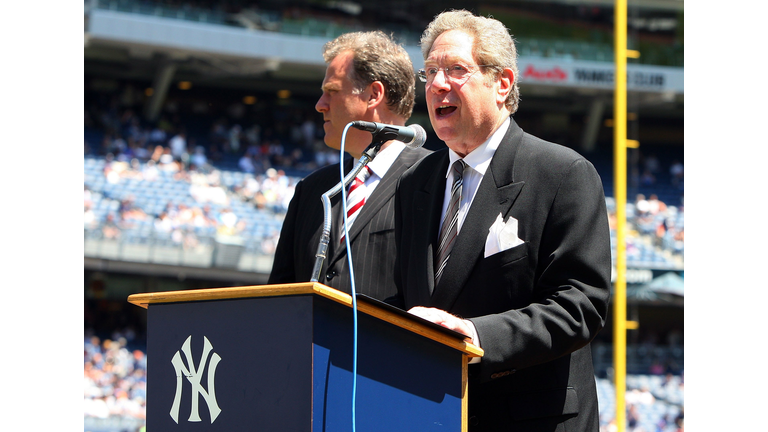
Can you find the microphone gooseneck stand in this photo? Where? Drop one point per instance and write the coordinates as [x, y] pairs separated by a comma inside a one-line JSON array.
[[322, 247]]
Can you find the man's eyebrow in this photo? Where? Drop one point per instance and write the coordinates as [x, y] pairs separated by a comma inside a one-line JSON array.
[[329, 87], [447, 61]]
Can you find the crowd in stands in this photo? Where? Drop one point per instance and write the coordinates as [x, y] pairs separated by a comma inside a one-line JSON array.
[[181, 222], [655, 232], [272, 155], [663, 223], [274, 152], [115, 383], [115, 377], [288, 138], [654, 236], [654, 217], [654, 403]]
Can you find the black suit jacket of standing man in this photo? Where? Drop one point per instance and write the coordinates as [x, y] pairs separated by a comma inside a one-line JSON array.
[[535, 306], [371, 237], [370, 78]]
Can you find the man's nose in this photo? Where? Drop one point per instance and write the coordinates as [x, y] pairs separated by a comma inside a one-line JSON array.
[[440, 82], [321, 105]]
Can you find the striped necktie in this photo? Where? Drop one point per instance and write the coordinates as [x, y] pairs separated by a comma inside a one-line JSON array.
[[449, 231], [356, 197]]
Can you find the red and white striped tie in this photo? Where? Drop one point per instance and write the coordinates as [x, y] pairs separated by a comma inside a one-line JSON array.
[[356, 197]]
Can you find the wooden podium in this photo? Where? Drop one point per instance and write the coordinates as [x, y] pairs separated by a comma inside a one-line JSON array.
[[280, 357]]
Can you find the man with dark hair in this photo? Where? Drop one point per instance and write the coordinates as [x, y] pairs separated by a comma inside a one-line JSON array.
[[521, 261], [370, 78]]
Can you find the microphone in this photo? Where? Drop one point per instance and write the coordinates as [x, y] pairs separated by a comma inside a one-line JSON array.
[[414, 136]]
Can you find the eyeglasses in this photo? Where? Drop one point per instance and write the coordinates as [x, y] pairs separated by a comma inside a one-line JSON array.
[[454, 72]]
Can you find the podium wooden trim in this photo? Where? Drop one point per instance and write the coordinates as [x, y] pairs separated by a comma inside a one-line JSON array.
[[413, 323], [372, 308]]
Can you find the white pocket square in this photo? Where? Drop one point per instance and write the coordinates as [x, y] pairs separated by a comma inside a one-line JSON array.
[[501, 236]]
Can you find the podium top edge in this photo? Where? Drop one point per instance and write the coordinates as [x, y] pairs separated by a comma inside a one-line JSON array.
[[145, 299], [411, 323]]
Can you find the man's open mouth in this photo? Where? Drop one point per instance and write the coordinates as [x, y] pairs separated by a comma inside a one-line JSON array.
[[445, 110]]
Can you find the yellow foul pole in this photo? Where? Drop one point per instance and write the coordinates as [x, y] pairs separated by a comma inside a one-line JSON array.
[[620, 194]]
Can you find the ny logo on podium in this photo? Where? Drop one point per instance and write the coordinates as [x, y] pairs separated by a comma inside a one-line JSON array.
[[194, 375]]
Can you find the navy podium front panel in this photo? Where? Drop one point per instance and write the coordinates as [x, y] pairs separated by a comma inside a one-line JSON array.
[[264, 378], [405, 382], [285, 364]]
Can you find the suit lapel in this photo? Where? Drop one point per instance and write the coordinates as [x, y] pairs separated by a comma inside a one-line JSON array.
[[495, 195], [337, 222], [427, 205], [383, 193]]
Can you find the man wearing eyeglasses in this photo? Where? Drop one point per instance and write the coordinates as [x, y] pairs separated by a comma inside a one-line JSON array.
[[503, 237]]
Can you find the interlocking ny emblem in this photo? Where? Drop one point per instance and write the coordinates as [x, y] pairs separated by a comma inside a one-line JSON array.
[[194, 374]]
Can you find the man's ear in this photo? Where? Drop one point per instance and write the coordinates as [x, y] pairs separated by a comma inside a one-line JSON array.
[[376, 94], [506, 80]]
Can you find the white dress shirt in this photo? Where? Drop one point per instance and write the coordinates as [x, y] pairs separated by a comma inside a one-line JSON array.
[[478, 161], [380, 165]]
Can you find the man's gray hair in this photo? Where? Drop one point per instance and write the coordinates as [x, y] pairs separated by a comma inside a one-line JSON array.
[[493, 45]]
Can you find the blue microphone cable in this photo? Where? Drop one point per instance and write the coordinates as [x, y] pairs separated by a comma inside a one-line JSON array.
[[351, 277]]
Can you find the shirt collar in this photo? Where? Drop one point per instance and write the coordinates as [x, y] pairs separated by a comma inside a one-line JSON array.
[[480, 158], [385, 158]]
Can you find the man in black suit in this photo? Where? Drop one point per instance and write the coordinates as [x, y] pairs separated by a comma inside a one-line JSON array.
[[528, 274], [371, 78]]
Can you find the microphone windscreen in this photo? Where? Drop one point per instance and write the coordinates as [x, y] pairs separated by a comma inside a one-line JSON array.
[[419, 136]]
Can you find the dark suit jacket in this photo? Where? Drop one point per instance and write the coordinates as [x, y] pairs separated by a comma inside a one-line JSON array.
[[536, 306], [371, 236]]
